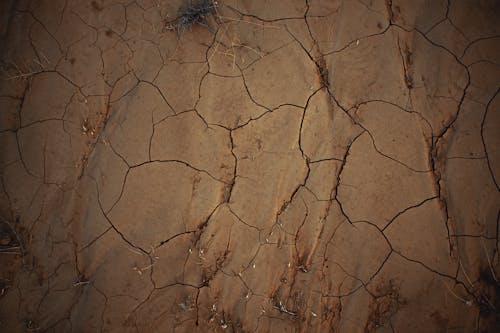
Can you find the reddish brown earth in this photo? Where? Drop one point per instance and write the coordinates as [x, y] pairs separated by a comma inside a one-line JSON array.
[[297, 166]]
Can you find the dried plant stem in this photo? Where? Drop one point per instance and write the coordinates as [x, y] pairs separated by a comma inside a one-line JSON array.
[[489, 261]]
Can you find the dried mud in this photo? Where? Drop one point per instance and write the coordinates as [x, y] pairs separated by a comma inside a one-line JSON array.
[[289, 166]]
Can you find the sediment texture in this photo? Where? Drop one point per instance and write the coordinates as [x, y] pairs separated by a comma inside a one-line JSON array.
[[293, 166]]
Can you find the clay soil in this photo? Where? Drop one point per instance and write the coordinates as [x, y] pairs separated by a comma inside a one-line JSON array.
[[283, 166]]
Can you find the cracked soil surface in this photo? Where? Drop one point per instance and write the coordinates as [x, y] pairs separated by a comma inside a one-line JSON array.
[[286, 166]]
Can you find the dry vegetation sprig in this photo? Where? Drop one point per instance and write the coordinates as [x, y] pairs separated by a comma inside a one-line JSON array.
[[492, 270], [24, 71], [192, 14], [15, 245]]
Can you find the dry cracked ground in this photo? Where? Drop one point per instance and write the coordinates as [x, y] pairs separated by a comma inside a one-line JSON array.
[[286, 166]]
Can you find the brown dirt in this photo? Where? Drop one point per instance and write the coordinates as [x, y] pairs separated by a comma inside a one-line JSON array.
[[296, 166]]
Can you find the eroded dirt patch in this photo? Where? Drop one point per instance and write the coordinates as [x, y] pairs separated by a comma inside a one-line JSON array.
[[276, 166]]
